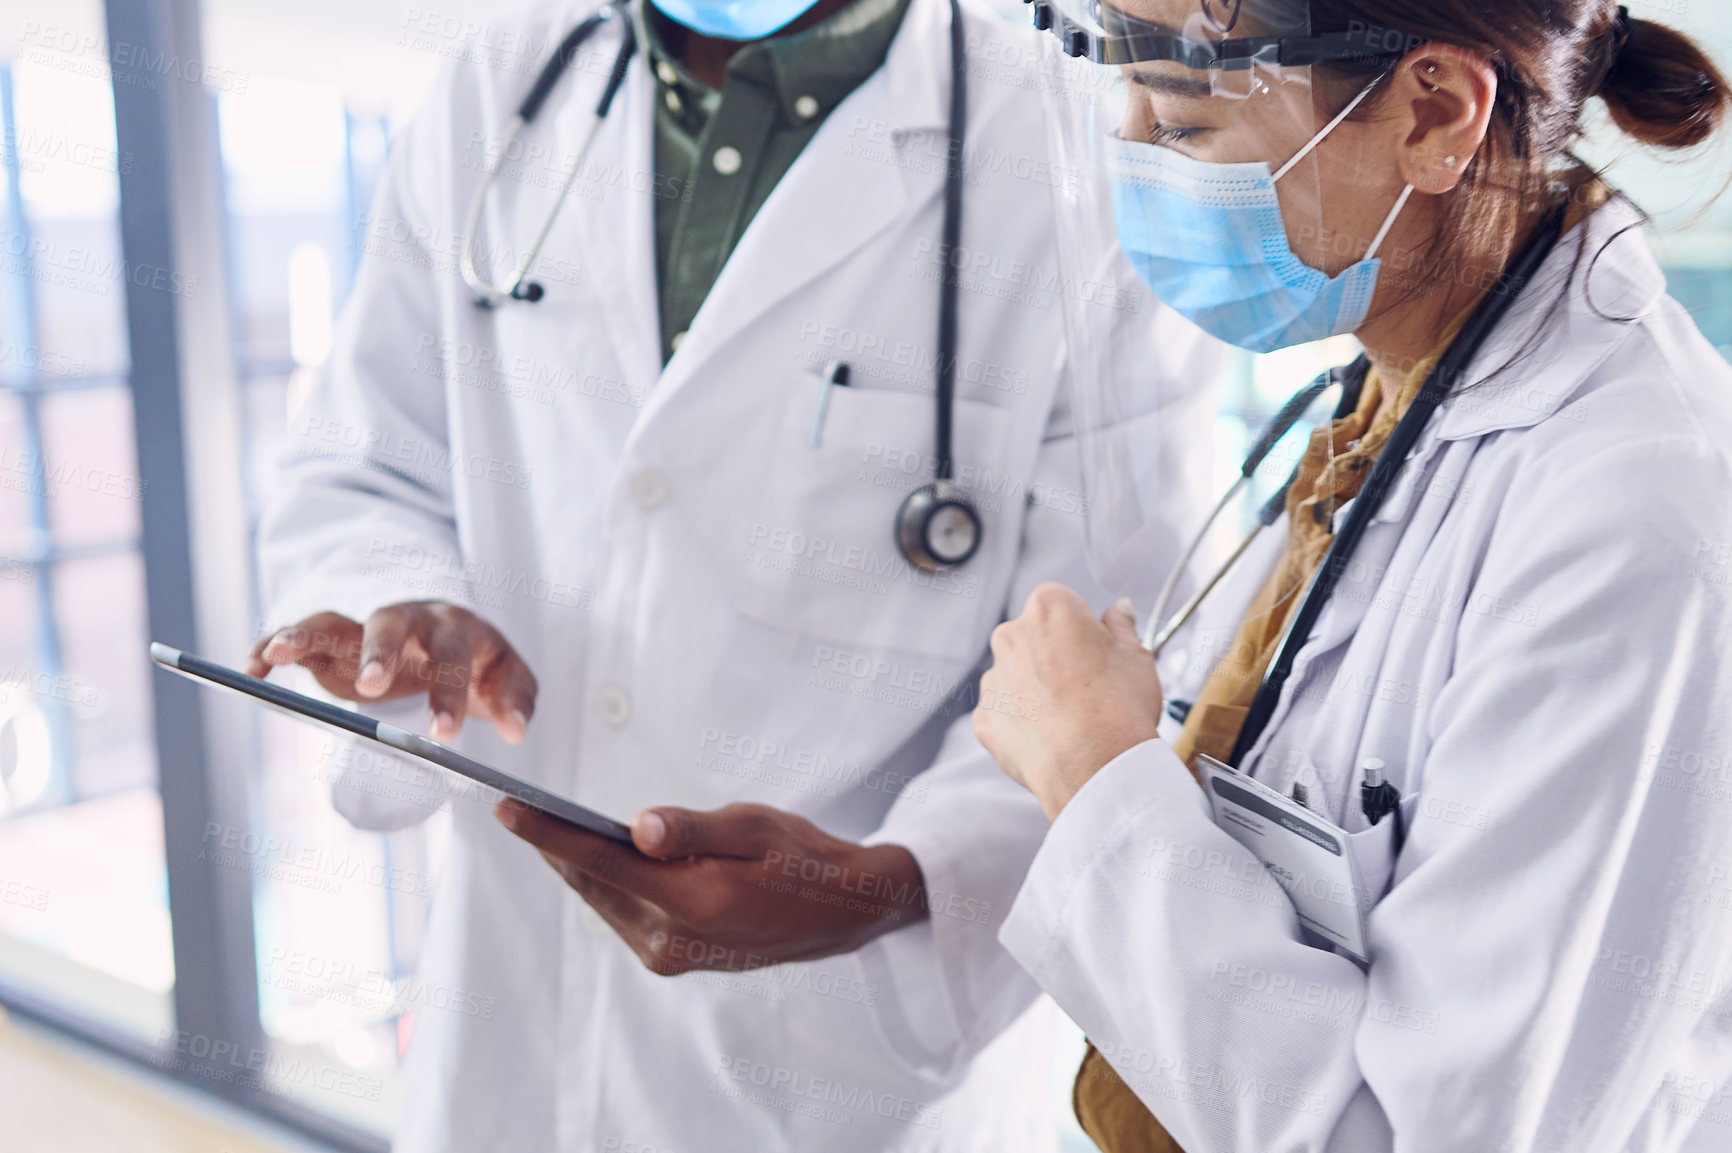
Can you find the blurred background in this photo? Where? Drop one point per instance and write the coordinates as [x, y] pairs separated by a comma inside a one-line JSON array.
[[258, 927]]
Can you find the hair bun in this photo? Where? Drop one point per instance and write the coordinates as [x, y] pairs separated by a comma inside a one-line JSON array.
[[1660, 87]]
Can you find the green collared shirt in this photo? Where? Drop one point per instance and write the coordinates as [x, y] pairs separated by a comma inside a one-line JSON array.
[[720, 153]]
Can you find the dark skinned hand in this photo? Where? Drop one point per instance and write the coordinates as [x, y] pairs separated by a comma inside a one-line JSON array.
[[462, 663], [737, 888]]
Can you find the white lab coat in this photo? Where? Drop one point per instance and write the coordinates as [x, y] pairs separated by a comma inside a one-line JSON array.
[[1536, 640], [714, 609]]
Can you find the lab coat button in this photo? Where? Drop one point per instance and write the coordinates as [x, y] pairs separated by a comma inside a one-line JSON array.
[[649, 487], [726, 160], [614, 704]]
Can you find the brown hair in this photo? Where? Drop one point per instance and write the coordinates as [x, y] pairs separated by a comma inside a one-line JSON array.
[[1552, 57]]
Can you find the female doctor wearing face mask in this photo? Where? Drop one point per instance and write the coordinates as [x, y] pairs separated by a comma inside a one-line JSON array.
[[1501, 583]]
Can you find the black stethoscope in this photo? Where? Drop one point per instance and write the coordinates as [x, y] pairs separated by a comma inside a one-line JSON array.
[[937, 526], [1438, 385], [487, 294]]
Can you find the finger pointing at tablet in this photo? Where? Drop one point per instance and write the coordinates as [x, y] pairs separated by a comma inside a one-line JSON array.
[[464, 665]]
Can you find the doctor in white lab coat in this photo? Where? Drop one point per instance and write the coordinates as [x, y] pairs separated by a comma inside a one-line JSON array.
[[1533, 640], [668, 590]]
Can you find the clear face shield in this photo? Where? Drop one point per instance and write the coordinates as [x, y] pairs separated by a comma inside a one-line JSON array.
[[1195, 136]]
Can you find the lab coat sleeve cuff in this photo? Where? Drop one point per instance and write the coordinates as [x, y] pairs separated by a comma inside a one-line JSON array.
[[373, 787], [908, 968], [380, 789], [946, 986], [1098, 824], [903, 970]]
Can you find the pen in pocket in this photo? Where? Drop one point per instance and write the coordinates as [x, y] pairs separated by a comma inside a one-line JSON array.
[[835, 376]]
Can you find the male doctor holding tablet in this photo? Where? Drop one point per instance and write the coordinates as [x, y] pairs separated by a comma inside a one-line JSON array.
[[644, 520]]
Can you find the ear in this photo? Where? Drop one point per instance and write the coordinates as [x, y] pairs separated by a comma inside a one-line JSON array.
[[1444, 96]]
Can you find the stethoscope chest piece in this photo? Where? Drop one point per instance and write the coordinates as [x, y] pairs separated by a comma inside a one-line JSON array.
[[937, 527]]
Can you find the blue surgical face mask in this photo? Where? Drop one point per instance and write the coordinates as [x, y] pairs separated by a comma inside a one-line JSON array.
[[1209, 240], [734, 19]]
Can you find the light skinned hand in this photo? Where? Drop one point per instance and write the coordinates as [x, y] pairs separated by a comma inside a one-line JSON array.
[[464, 665], [1066, 694]]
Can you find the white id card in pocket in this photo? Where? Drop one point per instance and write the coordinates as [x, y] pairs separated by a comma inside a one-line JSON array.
[[1311, 858]]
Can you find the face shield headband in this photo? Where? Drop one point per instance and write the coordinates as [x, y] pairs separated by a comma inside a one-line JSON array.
[[1121, 38]]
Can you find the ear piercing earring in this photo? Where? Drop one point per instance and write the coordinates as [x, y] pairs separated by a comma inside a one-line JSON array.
[[1431, 70]]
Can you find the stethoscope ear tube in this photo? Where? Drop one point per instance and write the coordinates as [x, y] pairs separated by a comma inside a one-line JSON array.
[[1444, 376], [1160, 629], [487, 294], [1159, 640], [1277, 503], [1283, 421], [1266, 516], [1156, 636], [621, 62], [559, 62]]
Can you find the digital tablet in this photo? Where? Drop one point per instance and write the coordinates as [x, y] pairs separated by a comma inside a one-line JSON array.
[[356, 724]]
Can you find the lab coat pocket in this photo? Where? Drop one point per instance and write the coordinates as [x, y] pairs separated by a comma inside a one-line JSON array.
[[822, 558], [1372, 852]]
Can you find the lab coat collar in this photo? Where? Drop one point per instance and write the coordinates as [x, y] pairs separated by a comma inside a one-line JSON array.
[[1554, 347], [846, 195], [829, 60], [917, 71], [616, 233], [825, 62]]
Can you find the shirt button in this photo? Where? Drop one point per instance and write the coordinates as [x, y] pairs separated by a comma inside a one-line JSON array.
[[665, 72], [649, 487], [675, 340], [726, 160], [614, 704], [806, 107], [673, 100]]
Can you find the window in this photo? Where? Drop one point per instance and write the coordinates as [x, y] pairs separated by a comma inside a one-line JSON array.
[[83, 895]]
